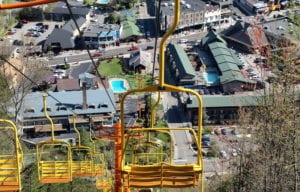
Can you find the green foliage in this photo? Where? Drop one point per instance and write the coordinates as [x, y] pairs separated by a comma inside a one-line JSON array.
[[128, 4], [5, 95], [30, 183], [110, 67], [30, 13], [113, 18]]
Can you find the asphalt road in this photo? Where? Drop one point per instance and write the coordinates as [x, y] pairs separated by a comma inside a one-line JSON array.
[[77, 56]]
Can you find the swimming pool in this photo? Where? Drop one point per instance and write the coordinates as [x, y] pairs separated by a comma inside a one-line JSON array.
[[103, 1], [118, 86], [210, 77]]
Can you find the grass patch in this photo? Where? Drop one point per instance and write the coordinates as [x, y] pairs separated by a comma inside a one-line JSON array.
[[111, 67]]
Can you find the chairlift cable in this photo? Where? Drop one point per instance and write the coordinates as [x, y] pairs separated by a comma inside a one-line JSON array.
[[89, 53]]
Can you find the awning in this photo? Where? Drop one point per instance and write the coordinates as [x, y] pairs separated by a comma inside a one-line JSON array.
[[47, 128]]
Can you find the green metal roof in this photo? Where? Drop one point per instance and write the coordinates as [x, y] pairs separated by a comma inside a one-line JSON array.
[[213, 101], [211, 37], [229, 76], [227, 63], [129, 29], [182, 61]]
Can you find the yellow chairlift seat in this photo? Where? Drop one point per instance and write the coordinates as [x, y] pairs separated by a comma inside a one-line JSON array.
[[11, 164], [82, 160], [155, 168], [105, 182], [161, 175], [51, 168], [53, 157]]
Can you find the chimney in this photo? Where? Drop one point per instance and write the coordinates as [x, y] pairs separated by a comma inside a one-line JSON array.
[[84, 98]]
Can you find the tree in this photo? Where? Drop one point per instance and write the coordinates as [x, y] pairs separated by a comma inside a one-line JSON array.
[[113, 18], [5, 95]]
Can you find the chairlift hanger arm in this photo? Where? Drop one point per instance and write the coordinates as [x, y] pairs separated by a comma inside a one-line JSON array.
[[25, 4]]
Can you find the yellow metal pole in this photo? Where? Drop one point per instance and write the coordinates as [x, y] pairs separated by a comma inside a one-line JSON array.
[[47, 116], [163, 43], [153, 110], [74, 126]]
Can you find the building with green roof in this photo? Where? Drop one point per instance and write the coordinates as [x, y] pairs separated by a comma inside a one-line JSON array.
[[179, 65], [129, 30], [231, 77], [218, 109]]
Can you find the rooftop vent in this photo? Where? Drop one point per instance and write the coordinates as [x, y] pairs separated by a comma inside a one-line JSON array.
[[78, 107], [62, 108], [30, 110], [91, 106]]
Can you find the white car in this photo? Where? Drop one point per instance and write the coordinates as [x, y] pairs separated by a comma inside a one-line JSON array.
[[223, 154], [234, 152]]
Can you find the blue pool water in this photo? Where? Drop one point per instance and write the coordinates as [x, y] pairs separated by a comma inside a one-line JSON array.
[[118, 86], [211, 77], [103, 1]]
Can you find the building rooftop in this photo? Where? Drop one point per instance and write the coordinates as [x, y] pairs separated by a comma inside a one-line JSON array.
[[67, 84], [226, 63], [167, 7], [129, 29], [247, 34], [97, 101], [211, 101], [95, 30], [182, 61]]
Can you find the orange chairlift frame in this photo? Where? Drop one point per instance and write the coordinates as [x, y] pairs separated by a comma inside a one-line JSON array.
[[11, 165], [25, 4], [82, 157], [57, 169], [163, 174]]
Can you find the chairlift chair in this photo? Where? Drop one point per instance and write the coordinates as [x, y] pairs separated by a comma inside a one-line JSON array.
[[11, 164], [53, 157], [82, 157]]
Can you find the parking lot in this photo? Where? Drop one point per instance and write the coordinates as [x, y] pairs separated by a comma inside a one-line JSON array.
[[228, 143], [36, 38]]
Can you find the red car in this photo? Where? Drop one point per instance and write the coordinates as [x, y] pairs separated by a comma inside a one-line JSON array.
[[10, 33], [24, 21], [97, 54], [133, 48]]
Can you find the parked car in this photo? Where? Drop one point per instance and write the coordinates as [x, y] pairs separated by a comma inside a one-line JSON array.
[[19, 25], [234, 152], [18, 42], [24, 21], [149, 47], [223, 131], [10, 32], [133, 48], [39, 24], [223, 154], [97, 54]]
